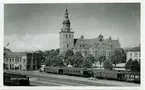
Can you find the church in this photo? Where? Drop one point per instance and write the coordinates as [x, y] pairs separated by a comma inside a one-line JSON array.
[[96, 46]]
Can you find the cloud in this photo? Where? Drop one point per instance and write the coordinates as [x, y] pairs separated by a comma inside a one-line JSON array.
[[32, 42]]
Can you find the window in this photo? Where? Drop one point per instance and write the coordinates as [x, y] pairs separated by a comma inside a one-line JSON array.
[[66, 35], [135, 54], [24, 60], [69, 36], [16, 60], [80, 45], [20, 60], [20, 66], [67, 45], [130, 54], [13, 59]]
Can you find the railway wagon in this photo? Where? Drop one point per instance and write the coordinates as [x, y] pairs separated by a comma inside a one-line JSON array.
[[117, 75], [73, 71], [130, 76], [12, 79], [55, 70], [77, 71], [108, 74]]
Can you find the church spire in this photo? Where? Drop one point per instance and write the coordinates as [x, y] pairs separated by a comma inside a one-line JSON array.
[[66, 21]]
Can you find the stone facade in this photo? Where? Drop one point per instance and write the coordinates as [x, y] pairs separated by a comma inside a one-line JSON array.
[[96, 46]]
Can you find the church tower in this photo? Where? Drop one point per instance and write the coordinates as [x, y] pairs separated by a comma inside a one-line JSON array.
[[66, 35]]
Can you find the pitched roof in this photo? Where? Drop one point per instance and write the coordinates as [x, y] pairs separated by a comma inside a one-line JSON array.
[[16, 53], [91, 42], [6, 49], [135, 49]]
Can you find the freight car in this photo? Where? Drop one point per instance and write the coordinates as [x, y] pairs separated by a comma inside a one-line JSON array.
[[97, 73], [69, 71], [55, 70], [12, 79], [117, 75], [77, 71], [129, 76], [107, 74]]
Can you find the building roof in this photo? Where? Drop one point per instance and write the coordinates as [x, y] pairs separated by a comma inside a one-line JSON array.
[[135, 49], [94, 42], [16, 54], [7, 50]]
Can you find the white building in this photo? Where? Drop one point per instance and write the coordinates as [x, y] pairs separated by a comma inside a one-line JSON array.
[[15, 60], [133, 54]]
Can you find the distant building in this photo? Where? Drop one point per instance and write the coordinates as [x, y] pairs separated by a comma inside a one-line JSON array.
[[22, 60], [133, 54], [96, 46]]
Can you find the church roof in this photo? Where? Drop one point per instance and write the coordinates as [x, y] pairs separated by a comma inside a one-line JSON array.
[[92, 42]]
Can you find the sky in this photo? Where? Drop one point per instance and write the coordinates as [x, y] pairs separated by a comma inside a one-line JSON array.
[[37, 26]]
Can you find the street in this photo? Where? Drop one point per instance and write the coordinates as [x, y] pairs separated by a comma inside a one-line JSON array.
[[47, 79]]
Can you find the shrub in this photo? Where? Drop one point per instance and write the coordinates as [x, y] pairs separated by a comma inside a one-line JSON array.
[[128, 64], [135, 66], [107, 64]]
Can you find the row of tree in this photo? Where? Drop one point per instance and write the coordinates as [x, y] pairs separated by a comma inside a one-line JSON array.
[[53, 58]]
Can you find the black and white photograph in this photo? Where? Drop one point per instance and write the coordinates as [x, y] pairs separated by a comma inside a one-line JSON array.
[[72, 44]]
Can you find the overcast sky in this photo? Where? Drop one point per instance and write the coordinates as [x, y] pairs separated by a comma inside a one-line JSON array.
[[37, 26]]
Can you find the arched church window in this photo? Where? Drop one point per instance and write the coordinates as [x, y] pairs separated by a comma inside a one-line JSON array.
[[67, 45]]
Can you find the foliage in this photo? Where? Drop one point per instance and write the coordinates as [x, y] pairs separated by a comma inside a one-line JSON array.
[[69, 53], [88, 60], [135, 66], [128, 64], [117, 56], [107, 64], [52, 59], [101, 59], [78, 60], [69, 57], [58, 61]]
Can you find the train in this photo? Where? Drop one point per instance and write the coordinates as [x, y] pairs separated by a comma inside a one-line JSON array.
[[120, 75], [13, 79]]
